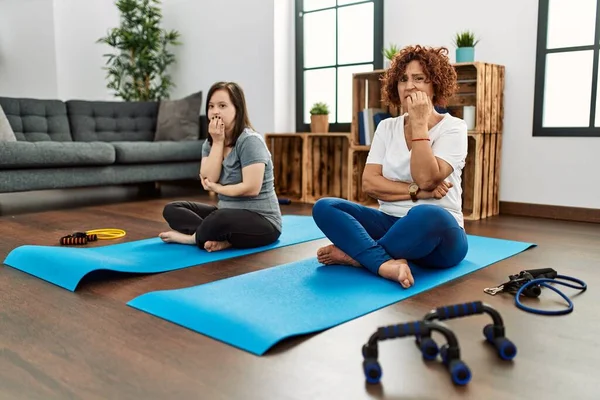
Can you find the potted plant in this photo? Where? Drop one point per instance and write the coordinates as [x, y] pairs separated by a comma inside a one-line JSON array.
[[137, 70], [389, 53], [319, 118], [465, 43]]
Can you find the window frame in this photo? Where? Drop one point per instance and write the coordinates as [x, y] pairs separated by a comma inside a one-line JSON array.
[[540, 76], [377, 59]]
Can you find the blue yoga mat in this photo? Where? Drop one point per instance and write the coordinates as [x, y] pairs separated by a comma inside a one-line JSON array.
[[67, 266], [257, 310]]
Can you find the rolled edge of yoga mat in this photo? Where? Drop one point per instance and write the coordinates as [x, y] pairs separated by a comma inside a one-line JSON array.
[[38, 262]]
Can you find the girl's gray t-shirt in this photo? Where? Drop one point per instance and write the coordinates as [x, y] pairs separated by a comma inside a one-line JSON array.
[[249, 149]]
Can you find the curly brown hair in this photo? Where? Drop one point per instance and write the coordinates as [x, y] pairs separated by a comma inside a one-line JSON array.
[[437, 68]]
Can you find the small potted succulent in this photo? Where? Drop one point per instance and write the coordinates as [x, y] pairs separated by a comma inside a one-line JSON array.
[[465, 43], [319, 118], [389, 53]]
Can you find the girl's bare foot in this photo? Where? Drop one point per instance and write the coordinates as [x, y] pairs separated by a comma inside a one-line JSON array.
[[212, 245], [332, 255], [398, 271], [177, 237]]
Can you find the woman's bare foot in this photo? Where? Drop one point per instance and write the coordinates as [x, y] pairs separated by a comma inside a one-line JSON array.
[[398, 271], [212, 245], [332, 255], [177, 237]]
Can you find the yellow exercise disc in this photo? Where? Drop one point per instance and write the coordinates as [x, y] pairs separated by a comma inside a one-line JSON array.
[[107, 233]]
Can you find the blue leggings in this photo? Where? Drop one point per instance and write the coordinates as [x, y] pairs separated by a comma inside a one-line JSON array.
[[428, 235]]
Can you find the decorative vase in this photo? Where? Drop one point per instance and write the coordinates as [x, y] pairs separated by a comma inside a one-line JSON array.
[[319, 123], [465, 54]]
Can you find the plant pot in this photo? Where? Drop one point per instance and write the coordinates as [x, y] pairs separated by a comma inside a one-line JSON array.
[[319, 123], [465, 54]]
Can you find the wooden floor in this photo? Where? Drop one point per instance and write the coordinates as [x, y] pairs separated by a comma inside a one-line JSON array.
[[55, 344]]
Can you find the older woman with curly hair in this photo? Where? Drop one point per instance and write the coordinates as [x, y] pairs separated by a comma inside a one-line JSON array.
[[414, 170]]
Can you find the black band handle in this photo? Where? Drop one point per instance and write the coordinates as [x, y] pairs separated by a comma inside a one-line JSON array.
[[543, 273]]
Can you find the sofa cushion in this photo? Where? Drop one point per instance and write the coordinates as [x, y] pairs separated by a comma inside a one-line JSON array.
[[179, 119], [157, 152], [6, 132], [112, 121], [35, 120], [54, 154]]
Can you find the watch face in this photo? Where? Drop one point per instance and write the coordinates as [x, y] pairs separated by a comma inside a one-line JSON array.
[[413, 187]]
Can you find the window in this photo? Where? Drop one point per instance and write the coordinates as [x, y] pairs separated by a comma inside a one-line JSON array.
[[566, 85], [334, 39]]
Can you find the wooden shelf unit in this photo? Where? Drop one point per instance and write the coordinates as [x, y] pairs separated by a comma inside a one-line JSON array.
[[309, 166], [366, 93], [480, 85], [289, 162]]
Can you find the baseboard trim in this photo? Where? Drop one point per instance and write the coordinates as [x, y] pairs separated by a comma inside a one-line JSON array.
[[550, 211]]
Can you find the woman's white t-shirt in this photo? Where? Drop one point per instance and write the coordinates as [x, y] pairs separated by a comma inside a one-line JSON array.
[[448, 140]]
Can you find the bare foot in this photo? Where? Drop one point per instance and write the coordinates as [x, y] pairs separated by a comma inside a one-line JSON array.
[[398, 271], [177, 237], [332, 255], [212, 245]]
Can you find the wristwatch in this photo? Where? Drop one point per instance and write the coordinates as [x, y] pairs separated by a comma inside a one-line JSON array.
[[413, 189]]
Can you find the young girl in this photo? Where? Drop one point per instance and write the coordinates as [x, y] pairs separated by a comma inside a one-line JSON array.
[[236, 165]]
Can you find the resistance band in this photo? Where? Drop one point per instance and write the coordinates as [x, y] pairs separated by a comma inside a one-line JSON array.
[[542, 282], [81, 238], [529, 283]]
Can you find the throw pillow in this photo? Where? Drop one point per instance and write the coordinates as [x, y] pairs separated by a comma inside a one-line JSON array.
[[6, 132], [179, 119]]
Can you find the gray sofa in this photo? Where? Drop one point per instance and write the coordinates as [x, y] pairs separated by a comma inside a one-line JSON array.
[[91, 143]]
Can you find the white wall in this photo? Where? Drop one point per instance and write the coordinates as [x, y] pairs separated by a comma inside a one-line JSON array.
[[285, 65], [77, 26], [27, 56], [229, 40], [555, 171]]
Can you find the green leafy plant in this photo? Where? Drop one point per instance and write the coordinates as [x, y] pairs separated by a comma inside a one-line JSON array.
[[137, 71], [465, 39], [391, 51], [319, 109]]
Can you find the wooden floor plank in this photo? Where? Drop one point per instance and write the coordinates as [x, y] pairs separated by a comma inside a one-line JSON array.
[[55, 344]]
